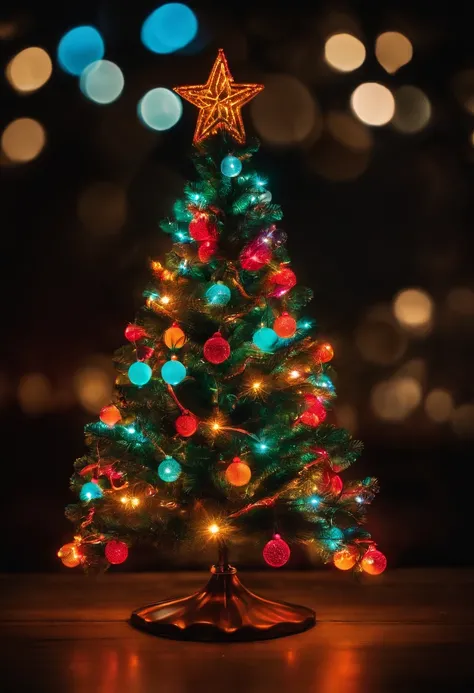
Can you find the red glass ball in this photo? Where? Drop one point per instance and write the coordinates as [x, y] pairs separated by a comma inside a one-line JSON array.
[[186, 425], [310, 418], [324, 353], [255, 256], [285, 326], [134, 332], [144, 352], [284, 279], [310, 399], [277, 552], [206, 250], [116, 551], [110, 415], [216, 349], [373, 562], [318, 409], [202, 229]]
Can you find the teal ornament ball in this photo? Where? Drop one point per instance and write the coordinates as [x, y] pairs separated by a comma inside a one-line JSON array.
[[333, 538], [218, 294], [139, 373], [231, 166], [265, 339], [169, 470], [90, 491], [173, 372]]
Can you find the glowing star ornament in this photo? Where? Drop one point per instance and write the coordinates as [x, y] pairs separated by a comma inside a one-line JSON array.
[[238, 473], [116, 551], [186, 425], [285, 326], [216, 349], [219, 101], [373, 562], [346, 558], [276, 552], [110, 415]]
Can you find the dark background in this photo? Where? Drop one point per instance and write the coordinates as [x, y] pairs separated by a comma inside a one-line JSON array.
[[357, 235]]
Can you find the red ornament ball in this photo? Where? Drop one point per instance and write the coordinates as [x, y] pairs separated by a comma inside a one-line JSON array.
[[144, 352], [324, 353], [255, 255], [134, 332], [238, 473], [206, 250], [116, 551], [373, 562], [186, 425], [110, 415], [202, 229], [216, 349], [310, 418], [285, 326], [284, 280], [277, 552], [310, 399]]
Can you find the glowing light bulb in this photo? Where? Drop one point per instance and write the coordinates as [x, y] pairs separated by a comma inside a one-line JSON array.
[[314, 500], [213, 529], [359, 499], [294, 374], [135, 502], [257, 385], [263, 447], [130, 429], [123, 499], [215, 426], [165, 300]]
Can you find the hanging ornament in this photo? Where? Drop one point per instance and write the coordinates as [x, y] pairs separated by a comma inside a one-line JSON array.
[[231, 166], [144, 352], [310, 399], [282, 281], [238, 473], [206, 250], [373, 562], [70, 555], [285, 326], [90, 491], [316, 413], [201, 228], [265, 339], [324, 353], [169, 470], [186, 425], [218, 294], [265, 197], [346, 558], [174, 337], [110, 415], [139, 373], [276, 237], [277, 552], [134, 332], [332, 538], [173, 372], [216, 349], [310, 418], [255, 255], [116, 551]]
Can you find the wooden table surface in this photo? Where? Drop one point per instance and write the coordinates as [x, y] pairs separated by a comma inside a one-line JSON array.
[[405, 631]]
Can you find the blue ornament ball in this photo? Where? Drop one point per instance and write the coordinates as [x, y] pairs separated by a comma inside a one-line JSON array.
[[173, 372], [333, 538], [169, 469], [90, 491], [265, 339], [218, 294], [139, 373], [231, 166]]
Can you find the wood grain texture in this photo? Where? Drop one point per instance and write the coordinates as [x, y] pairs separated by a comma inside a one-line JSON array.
[[405, 631]]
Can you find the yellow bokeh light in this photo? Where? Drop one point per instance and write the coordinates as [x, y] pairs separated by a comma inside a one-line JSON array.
[[214, 529], [93, 388], [373, 104], [23, 139], [439, 405], [462, 421], [344, 52], [413, 309], [412, 110], [393, 50], [35, 394], [395, 399], [29, 70], [348, 131]]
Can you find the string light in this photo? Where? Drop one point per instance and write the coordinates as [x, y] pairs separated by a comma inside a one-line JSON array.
[[214, 529], [295, 374], [165, 300], [216, 426], [130, 500], [256, 385]]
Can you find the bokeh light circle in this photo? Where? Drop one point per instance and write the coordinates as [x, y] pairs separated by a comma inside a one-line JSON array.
[[348, 131], [160, 109], [80, 47], [395, 399], [102, 81], [412, 110], [23, 139], [439, 405], [29, 70], [413, 308], [462, 421], [344, 52], [169, 28], [393, 50], [373, 103]]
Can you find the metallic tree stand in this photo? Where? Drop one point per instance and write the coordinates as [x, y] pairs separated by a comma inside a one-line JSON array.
[[224, 611]]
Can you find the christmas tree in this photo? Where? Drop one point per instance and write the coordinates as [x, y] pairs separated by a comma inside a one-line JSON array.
[[220, 429]]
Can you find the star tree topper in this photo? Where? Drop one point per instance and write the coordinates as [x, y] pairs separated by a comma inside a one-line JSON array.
[[219, 102]]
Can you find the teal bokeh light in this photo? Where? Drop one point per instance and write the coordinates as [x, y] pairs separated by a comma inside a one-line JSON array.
[[169, 28], [80, 47], [160, 109], [102, 81]]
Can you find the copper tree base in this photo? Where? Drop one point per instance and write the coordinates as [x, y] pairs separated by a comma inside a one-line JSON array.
[[224, 611]]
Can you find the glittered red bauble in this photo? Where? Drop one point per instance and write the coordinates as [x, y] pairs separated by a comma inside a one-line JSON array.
[[283, 281], [186, 425], [110, 415], [216, 349], [202, 229], [206, 250], [144, 352], [373, 562], [285, 326], [277, 552], [255, 255], [116, 551], [324, 353], [346, 558], [134, 332], [310, 399]]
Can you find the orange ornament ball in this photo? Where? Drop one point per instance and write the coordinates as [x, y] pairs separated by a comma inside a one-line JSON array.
[[324, 353], [373, 562], [346, 558], [285, 326], [174, 337], [69, 555], [238, 473], [110, 415]]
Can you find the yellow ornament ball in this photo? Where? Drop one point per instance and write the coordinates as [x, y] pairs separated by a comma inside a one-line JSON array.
[[69, 555], [174, 337], [238, 473], [346, 558]]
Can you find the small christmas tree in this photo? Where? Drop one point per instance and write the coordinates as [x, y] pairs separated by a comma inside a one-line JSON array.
[[219, 430]]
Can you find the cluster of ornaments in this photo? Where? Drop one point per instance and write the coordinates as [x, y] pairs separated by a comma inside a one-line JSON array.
[[204, 231]]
